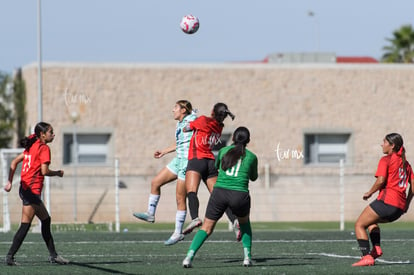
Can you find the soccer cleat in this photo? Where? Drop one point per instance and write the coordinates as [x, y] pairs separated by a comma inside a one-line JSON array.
[[145, 217], [58, 260], [376, 252], [237, 231], [247, 262], [10, 260], [193, 224], [366, 260], [187, 262], [175, 238]]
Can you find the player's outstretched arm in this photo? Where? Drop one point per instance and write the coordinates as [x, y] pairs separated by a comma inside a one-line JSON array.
[[13, 167], [379, 183], [160, 153], [50, 173]]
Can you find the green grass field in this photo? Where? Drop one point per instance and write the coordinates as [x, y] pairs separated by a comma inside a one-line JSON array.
[[278, 248]]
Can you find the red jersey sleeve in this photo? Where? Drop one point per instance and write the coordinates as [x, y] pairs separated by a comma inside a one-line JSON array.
[[382, 170], [198, 123], [44, 154]]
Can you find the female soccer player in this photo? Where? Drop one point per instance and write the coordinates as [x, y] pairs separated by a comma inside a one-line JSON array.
[[35, 166], [237, 166], [207, 132], [175, 170], [393, 175]]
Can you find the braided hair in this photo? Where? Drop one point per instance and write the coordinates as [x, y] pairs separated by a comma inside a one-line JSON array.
[[186, 105]]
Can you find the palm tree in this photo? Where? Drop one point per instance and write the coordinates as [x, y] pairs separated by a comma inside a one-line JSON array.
[[401, 49]]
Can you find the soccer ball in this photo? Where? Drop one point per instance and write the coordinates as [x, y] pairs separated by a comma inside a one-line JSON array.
[[189, 24]]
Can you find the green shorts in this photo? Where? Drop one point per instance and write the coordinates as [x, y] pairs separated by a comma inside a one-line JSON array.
[[178, 166]]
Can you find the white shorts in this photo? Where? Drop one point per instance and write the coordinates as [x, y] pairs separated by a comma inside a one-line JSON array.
[[178, 166]]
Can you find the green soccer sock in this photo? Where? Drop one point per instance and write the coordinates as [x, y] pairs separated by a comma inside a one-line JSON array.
[[246, 231], [197, 242]]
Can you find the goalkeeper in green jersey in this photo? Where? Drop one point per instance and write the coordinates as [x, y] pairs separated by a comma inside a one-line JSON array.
[[236, 166]]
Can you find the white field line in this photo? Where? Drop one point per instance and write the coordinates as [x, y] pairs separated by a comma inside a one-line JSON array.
[[212, 241], [73, 257], [353, 257], [190, 239], [331, 255]]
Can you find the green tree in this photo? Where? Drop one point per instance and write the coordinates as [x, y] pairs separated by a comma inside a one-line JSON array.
[[401, 49], [19, 100], [6, 114]]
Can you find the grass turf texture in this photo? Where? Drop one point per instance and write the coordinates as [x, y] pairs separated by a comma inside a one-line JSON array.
[[278, 248]]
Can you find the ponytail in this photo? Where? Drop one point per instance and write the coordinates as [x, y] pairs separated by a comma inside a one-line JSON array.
[[40, 127], [232, 156], [397, 140], [230, 114], [220, 112], [241, 137], [401, 153], [27, 142]]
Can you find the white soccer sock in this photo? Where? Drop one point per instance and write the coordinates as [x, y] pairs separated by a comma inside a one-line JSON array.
[[179, 221], [247, 252], [152, 203]]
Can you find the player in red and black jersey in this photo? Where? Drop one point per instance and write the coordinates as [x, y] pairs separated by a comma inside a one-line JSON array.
[[201, 161], [394, 175], [35, 166]]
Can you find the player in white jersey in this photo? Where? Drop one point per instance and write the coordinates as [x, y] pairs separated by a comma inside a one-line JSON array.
[[175, 170]]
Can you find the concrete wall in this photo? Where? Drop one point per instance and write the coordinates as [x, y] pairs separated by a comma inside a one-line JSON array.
[[278, 103]]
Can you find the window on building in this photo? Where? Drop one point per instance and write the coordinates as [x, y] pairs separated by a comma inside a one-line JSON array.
[[92, 148], [223, 142], [326, 148]]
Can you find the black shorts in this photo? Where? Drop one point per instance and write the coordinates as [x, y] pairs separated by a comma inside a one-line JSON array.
[[385, 211], [221, 199], [28, 197], [205, 167]]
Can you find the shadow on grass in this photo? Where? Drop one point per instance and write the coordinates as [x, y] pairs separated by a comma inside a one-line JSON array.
[[92, 265]]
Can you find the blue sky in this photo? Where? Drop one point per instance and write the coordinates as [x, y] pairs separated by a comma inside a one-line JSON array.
[[230, 31]]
